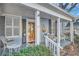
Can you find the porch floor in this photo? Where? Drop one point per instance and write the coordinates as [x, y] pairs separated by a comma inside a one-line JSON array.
[[65, 42], [6, 52]]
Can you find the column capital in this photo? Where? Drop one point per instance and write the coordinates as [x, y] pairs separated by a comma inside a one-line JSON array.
[[37, 13]]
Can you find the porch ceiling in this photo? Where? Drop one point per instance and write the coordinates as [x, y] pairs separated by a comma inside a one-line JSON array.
[[44, 7], [20, 10]]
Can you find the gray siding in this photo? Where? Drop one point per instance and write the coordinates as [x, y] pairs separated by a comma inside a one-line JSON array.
[[44, 24], [2, 25], [16, 9]]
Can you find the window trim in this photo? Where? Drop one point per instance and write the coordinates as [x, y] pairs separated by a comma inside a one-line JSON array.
[[12, 26]]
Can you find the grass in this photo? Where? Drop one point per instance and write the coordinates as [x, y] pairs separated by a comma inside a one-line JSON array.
[[40, 50]]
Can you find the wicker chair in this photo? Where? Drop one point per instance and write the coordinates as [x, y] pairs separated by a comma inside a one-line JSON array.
[[15, 44], [3, 43]]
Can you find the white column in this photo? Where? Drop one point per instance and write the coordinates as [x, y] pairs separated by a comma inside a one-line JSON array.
[[37, 28], [71, 32], [58, 36], [20, 27], [27, 31]]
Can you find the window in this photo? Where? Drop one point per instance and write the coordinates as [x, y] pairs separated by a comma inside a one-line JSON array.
[[16, 21], [8, 20], [9, 31], [12, 26], [16, 31]]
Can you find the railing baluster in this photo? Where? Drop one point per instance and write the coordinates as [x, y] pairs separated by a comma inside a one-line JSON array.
[[46, 42], [54, 50], [51, 45]]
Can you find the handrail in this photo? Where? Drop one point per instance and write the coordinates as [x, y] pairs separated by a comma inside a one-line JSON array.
[[51, 44], [52, 41]]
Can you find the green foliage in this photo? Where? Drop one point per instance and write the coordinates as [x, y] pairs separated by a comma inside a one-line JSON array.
[[34, 51], [76, 38]]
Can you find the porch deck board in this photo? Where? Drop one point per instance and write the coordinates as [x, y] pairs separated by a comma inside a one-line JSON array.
[[6, 52], [64, 43]]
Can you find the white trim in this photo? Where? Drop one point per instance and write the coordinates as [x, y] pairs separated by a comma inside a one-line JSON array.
[[27, 28], [20, 26], [31, 20], [61, 10], [5, 27], [12, 27], [11, 36], [5, 14], [27, 31], [46, 10]]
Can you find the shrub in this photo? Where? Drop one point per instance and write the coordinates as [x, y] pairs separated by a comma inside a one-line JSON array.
[[34, 51], [76, 38]]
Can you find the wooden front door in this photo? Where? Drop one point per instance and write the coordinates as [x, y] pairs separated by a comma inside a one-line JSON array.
[[31, 32]]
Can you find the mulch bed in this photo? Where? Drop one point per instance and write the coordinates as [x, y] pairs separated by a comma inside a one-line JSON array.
[[70, 50]]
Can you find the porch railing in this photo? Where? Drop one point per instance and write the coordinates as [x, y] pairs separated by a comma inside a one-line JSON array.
[[52, 45]]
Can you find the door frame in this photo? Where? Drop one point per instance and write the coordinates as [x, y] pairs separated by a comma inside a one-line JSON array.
[[27, 22]]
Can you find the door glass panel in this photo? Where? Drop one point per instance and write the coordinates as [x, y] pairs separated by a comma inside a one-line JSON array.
[[31, 32]]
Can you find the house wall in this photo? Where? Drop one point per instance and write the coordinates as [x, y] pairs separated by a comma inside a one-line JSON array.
[[2, 25], [0, 11], [54, 25], [61, 31], [44, 25]]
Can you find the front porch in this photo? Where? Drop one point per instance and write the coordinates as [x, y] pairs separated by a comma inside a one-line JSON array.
[[31, 24]]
